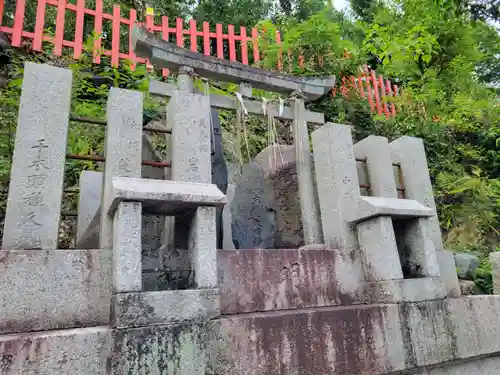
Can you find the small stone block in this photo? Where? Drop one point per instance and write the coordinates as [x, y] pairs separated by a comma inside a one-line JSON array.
[[203, 247], [163, 307], [405, 290], [127, 246], [368, 207], [163, 197], [36, 180], [89, 200], [495, 271], [379, 251], [448, 271]]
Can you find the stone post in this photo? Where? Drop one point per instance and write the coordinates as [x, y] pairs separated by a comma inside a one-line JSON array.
[[123, 153], [337, 183], [495, 271], [188, 115], [36, 183], [377, 240], [122, 150], [89, 200], [409, 153], [307, 193]]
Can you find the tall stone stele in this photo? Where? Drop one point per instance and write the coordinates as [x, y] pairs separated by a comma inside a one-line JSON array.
[[36, 183]]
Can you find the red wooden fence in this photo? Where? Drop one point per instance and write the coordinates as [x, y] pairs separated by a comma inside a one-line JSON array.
[[370, 86]]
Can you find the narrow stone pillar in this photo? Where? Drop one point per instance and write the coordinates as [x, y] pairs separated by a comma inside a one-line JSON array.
[[203, 247], [376, 236], [424, 234], [337, 183], [89, 200], [495, 271], [122, 150], [307, 193], [409, 152], [36, 182], [188, 115], [127, 258]]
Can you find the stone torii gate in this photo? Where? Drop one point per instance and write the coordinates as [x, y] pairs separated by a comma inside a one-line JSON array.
[[188, 64]]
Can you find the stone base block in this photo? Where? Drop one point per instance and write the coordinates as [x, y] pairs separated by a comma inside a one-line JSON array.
[[282, 279], [163, 307], [83, 351], [53, 289], [181, 349], [405, 290]]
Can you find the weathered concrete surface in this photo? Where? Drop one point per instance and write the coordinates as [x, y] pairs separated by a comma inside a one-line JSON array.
[[42, 290], [480, 366], [81, 351], [430, 338], [342, 340], [280, 279], [405, 290], [495, 271], [163, 307], [359, 340], [177, 349]]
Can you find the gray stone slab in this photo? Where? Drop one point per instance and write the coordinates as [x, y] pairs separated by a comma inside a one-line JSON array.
[[495, 271], [448, 272], [180, 349], [409, 152], [405, 290], [89, 200], [164, 197], [46, 290], [36, 180], [127, 249], [368, 207], [123, 148], [228, 102], [378, 248], [163, 307], [375, 150], [203, 247], [337, 183], [188, 115], [309, 207], [227, 239], [83, 351], [466, 265], [165, 55]]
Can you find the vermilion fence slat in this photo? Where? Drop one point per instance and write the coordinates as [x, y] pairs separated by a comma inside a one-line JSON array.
[[280, 56], [369, 93], [244, 45], [180, 32], [39, 25], [115, 36], [193, 33], [374, 82], [17, 29], [133, 19], [220, 43], [206, 38], [80, 15], [232, 44], [383, 96], [2, 7], [165, 35], [255, 45], [58, 40], [98, 31]]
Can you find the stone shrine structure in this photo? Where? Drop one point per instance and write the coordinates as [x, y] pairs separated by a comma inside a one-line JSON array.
[[372, 291]]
